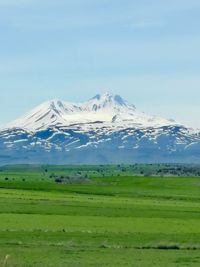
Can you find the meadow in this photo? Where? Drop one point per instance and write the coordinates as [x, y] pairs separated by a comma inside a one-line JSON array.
[[110, 217]]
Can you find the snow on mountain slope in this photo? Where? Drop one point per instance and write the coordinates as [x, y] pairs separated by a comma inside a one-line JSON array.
[[111, 110], [104, 130]]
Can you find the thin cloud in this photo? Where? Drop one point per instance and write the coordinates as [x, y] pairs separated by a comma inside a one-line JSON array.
[[146, 24], [9, 3]]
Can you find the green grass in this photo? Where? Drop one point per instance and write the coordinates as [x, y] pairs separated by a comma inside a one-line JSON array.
[[131, 221]]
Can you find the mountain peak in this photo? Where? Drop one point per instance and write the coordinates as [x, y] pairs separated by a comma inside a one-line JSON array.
[[55, 104], [105, 96], [106, 99], [105, 107]]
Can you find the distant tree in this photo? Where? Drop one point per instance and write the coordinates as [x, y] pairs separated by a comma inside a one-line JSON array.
[[59, 180]]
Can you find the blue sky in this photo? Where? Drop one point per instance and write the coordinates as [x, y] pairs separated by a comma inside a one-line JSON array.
[[147, 51]]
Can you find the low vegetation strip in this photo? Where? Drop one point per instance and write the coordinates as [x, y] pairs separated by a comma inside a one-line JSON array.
[[126, 220]]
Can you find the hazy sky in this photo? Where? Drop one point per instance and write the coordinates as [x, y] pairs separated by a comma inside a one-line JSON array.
[[148, 51]]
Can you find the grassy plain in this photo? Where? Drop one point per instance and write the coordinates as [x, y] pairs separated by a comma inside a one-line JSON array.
[[110, 220]]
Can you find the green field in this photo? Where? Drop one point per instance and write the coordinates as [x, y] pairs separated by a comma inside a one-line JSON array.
[[109, 219]]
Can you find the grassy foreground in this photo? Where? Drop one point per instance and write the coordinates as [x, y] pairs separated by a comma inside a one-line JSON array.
[[129, 221]]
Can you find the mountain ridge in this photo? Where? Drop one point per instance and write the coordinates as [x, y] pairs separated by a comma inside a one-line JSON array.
[[105, 108], [106, 129]]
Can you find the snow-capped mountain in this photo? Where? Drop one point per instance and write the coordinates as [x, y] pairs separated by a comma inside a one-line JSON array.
[[105, 129], [105, 108]]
